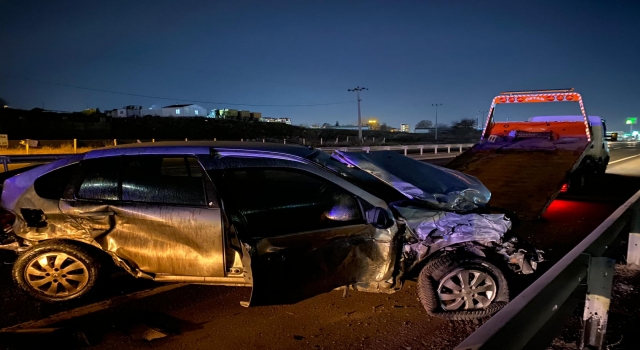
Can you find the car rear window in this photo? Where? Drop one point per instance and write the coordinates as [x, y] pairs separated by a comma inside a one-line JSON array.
[[52, 184]]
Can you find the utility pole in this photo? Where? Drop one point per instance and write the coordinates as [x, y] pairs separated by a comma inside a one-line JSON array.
[[357, 89], [436, 105]]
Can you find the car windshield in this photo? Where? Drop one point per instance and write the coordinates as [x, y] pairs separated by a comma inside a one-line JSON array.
[[357, 176]]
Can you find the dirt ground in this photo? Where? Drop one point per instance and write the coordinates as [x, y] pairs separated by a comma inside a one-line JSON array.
[[623, 329]]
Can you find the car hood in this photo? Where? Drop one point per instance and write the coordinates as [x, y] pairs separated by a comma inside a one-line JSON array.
[[441, 187]]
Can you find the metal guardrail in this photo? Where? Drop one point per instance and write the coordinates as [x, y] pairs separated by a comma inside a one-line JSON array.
[[36, 158], [536, 316], [31, 158], [422, 148]]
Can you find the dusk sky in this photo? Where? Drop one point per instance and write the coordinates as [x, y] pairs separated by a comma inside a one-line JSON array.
[[410, 54]]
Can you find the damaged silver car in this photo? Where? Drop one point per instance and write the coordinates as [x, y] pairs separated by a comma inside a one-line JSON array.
[[289, 221]]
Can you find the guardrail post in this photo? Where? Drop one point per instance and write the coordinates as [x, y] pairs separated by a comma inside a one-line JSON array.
[[460, 148], [435, 149], [186, 139], [153, 140], [115, 143], [421, 147], [367, 149], [321, 141], [241, 140], [75, 145], [347, 138], [27, 147], [304, 142], [5, 164], [214, 139], [633, 248], [262, 140], [448, 148], [596, 308], [405, 150]]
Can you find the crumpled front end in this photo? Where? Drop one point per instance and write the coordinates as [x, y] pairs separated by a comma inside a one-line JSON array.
[[431, 231]]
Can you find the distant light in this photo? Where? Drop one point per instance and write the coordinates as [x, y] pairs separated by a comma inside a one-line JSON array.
[[635, 133], [564, 188], [5, 106]]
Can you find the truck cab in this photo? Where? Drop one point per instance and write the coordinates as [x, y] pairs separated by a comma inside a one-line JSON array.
[[596, 157]]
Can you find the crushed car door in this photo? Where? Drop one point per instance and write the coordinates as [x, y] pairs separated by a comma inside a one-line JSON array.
[[306, 235], [162, 218]]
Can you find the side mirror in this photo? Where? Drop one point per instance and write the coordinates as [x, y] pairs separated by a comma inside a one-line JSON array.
[[379, 218]]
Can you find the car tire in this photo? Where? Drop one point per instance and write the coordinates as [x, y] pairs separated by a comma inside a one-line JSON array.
[[56, 271], [440, 278]]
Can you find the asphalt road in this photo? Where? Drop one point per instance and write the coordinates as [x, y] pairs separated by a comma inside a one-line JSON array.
[[205, 317]]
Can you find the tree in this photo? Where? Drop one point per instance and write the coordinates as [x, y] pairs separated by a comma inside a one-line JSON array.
[[424, 124], [384, 127], [337, 124], [466, 123]]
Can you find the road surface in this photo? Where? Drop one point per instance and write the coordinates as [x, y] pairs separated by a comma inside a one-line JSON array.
[[205, 317]]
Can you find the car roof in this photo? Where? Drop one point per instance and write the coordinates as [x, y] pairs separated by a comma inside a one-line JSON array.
[[199, 147]]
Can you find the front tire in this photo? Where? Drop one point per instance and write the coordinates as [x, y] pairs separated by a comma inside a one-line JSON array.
[[458, 286], [55, 271]]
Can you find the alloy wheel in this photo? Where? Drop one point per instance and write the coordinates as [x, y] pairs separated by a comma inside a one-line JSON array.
[[56, 274], [466, 289]]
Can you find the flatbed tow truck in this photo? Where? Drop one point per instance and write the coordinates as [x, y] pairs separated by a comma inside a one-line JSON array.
[[527, 164]]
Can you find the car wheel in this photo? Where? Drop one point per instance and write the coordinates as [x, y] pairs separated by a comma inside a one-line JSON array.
[[55, 271], [462, 287]]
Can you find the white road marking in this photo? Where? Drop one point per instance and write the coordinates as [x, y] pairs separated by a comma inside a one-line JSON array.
[[620, 160], [91, 308]]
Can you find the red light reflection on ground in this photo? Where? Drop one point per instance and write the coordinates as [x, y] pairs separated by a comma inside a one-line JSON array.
[[561, 208]]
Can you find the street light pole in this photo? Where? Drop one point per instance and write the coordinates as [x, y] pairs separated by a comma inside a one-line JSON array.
[[436, 105], [357, 89]]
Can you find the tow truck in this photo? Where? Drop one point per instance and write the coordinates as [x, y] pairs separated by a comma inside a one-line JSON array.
[[527, 164]]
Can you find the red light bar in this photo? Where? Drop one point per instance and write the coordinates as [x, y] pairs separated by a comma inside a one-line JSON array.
[[533, 98]]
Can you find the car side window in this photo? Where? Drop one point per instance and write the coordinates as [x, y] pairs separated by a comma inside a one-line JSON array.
[[163, 179], [100, 180], [52, 184], [280, 201]]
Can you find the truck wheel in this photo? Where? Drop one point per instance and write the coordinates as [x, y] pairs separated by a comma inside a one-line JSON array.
[[462, 287], [55, 271]]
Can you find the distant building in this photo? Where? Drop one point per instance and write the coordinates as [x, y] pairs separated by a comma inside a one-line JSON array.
[[277, 120], [154, 110], [125, 112], [234, 114], [186, 110], [423, 130], [404, 128], [348, 127]]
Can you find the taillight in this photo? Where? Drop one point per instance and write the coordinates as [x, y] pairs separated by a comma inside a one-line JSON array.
[[564, 188]]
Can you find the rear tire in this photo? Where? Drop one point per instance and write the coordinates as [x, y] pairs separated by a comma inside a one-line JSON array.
[[56, 271], [444, 292]]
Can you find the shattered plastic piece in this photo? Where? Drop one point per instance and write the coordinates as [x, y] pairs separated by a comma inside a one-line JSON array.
[[442, 188]]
